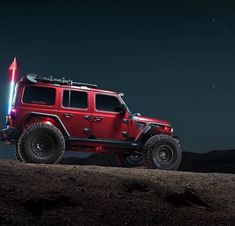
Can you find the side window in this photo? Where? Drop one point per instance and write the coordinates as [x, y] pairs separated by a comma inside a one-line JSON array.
[[75, 99], [39, 95], [107, 103]]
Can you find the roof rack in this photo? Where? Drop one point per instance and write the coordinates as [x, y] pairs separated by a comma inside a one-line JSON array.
[[34, 78]]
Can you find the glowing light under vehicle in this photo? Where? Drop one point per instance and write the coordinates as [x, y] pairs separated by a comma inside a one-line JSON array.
[[12, 68], [48, 122]]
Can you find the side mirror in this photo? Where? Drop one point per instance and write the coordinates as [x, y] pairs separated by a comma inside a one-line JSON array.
[[121, 109], [137, 114]]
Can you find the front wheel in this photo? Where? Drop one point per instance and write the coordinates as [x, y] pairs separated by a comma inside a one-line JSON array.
[[162, 152]]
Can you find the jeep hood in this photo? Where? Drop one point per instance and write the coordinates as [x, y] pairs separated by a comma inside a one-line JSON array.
[[150, 120]]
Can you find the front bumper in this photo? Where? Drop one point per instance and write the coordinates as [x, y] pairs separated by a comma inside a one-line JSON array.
[[9, 134]]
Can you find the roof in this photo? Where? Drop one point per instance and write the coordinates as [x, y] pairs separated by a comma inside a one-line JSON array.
[[36, 79]]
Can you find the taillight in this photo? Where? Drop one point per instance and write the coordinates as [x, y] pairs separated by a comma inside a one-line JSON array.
[[10, 117], [12, 113]]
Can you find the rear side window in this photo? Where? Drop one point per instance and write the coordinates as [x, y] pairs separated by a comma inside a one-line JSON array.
[[39, 95], [107, 103], [75, 99]]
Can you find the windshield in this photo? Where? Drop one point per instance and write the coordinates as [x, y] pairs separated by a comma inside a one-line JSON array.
[[121, 97]]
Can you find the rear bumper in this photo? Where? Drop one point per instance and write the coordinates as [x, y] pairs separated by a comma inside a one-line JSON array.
[[9, 134]]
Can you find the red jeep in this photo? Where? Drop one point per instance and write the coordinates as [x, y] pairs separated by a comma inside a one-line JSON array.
[[49, 116]]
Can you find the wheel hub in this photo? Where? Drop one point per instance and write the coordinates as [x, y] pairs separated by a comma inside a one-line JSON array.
[[42, 146], [163, 154]]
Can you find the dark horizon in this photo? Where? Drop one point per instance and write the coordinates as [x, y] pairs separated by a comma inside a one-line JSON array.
[[173, 61]]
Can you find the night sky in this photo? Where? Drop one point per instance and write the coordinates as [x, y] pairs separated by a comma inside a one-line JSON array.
[[174, 60]]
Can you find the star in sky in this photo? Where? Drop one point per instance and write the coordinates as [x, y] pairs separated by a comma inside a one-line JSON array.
[[225, 95], [194, 92], [213, 20], [119, 5], [194, 106]]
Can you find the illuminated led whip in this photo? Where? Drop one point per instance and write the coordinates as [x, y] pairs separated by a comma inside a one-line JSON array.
[[13, 69]]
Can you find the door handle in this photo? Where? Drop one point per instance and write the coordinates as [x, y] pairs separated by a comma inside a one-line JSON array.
[[86, 130], [98, 118], [67, 115], [87, 117]]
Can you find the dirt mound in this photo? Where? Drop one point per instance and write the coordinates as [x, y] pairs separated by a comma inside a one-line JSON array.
[[92, 195]]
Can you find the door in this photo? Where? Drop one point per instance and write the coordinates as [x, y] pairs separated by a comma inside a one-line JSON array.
[[75, 113], [107, 122]]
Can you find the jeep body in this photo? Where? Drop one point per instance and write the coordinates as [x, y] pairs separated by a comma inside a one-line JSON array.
[[89, 119]]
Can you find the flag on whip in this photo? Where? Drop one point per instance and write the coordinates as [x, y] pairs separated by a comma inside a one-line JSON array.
[[13, 69]]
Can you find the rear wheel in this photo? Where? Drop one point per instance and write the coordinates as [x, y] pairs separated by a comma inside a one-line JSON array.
[[131, 160], [162, 152], [18, 157], [41, 143]]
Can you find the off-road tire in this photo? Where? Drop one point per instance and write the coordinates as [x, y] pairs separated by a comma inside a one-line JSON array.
[[126, 160], [154, 150], [40, 134]]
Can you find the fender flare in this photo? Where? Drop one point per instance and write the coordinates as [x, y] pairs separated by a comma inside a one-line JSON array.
[[146, 129], [58, 120]]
